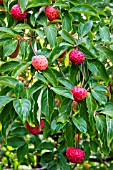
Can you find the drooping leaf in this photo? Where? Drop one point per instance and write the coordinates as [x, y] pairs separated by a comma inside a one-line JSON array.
[[66, 36], [66, 83], [22, 151], [51, 33], [4, 100], [8, 66], [34, 3], [22, 107], [80, 124], [9, 47], [69, 131], [15, 141], [105, 34], [102, 132], [109, 124], [19, 90], [8, 81], [85, 28], [100, 97], [47, 103], [23, 4], [50, 76], [107, 52], [91, 106], [62, 91]]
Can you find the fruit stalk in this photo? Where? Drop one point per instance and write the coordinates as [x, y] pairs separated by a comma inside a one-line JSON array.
[[63, 75]]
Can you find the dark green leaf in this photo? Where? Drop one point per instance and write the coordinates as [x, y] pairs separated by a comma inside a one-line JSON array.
[[51, 33], [107, 52], [8, 81], [21, 152], [69, 134], [66, 22], [80, 124], [100, 97], [66, 36], [50, 76], [109, 123], [9, 47], [66, 83], [105, 34], [4, 100], [19, 90], [8, 66], [15, 142], [85, 28], [63, 92], [22, 107], [102, 132], [23, 4], [34, 3]]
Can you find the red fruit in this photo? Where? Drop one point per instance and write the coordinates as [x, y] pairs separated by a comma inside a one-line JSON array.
[[52, 13], [16, 12], [75, 155], [79, 93], [15, 53], [76, 57], [1, 2], [40, 62], [35, 130]]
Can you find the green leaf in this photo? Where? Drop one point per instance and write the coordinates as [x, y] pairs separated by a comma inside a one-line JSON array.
[[20, 68], [109, 123], [34, 3], [102, 132], [47, 103], [22, 151], [63, 92], [91, 106], [83, 29], [19, 90], [107, 52], [64, 110], [108, 110], [8, 81], [69, 134], [9, 47], [23, 4], [8, 66], [80, 124], [96, 67], [61, 4], [4, 100], [35, 87], [56, 52], [100, 97], [19, 131], [10, 32], [66, 22], [22, 107], [66, 36], [66, 83], [22, 27], [105, 34], [84, 8], [51, 33], [50, 76], [15, 141], [63, 162], [46, 145], [42, 78]]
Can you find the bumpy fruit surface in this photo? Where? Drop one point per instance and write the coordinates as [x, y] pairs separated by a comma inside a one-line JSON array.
[[76, 57], [16, 12], [75, 155], [79, 93], [52, 13], [40, 62], [15, 53], [35, 130]]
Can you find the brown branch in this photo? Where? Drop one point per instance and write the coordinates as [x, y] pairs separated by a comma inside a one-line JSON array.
[[63, 75]]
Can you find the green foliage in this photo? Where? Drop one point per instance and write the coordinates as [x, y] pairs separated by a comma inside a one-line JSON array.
[[27, 94]]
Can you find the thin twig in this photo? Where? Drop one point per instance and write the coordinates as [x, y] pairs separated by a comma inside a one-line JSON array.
[[60, 69]]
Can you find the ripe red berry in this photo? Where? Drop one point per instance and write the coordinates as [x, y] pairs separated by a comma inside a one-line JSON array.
[[79, 93], [52, 13], [35, 129], [75, 155], [16, 12], [40, 62], [76, 57]]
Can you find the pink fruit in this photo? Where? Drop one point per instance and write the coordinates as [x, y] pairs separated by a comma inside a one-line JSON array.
[[16, 12], [40, 62], [35, 130], [76, 57], [75, 155], [52, 13], [79, 93]]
